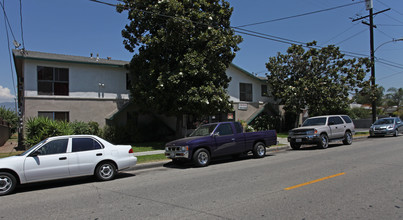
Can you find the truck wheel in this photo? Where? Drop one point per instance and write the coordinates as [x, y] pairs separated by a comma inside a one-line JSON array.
[[259, 150], [201, 157], [295, 146], [324, 141], [7, 183], [348, 138]]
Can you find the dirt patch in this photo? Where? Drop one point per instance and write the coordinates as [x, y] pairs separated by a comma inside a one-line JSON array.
[[9, 146]]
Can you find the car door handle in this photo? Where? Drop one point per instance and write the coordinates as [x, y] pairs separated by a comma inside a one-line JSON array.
[[233, 139], [99, 154], [62, 158]]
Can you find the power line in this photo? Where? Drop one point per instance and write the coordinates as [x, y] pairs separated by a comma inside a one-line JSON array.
[[8, 44], [341, 33], [389, 7], [299, 15], [354, 35], [252, 33], [7, 21]]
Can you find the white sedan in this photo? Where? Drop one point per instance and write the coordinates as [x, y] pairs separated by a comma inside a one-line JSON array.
[[64, 157]]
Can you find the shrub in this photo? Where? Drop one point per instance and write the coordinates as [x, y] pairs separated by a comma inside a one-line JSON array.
[[9, 116], [40, 128]]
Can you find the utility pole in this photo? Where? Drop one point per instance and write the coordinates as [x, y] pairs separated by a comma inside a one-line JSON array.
[[371, 39], [369, 6]]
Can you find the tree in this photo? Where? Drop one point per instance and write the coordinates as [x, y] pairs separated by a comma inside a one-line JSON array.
[[319, 79], [365, 96], [183, 49], [10, 117], [395, 98]]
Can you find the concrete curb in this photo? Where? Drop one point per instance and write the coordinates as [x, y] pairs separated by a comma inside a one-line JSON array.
[[151, 165]]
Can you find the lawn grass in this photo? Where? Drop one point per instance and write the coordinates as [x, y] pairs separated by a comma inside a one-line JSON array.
[[3, 155], [150, 146], [151, 158], [282, 135]]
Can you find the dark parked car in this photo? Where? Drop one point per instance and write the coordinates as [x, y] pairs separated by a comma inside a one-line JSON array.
[[219, 139], [386, 126]]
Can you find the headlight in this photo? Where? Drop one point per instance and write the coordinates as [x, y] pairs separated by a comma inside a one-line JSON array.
[[290, 133], [184, 148], [311, 132], [390, 128], [166, 148]]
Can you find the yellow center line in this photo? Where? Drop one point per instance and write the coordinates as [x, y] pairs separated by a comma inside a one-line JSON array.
[[314, 181]]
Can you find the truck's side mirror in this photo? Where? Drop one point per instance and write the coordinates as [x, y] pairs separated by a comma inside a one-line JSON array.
[[216, 134]]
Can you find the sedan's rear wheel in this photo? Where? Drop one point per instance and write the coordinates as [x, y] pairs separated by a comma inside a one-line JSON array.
[[7, 183], [105, 171]]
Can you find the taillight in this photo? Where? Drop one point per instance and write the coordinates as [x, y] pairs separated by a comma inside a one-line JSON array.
[[131, 151]]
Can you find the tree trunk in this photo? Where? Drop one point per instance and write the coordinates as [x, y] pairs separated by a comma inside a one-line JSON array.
[[179, 125]]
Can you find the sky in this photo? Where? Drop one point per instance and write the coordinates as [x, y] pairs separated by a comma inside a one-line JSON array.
[[81, 27]]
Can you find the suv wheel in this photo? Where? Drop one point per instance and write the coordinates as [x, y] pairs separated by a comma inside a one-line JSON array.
[[348, 138], [295, 146], [324, 141]]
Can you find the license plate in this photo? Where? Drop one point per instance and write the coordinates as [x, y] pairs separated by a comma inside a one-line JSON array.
[[298, 140]]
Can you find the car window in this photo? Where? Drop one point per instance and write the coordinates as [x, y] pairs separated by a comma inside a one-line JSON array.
[[224, 129], [314, 121], [85, 144], [54, 147], [384, 121], [346, 119], [238, 127], [335, 121]]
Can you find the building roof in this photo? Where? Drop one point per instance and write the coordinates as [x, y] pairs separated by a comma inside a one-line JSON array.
[[34, 55]]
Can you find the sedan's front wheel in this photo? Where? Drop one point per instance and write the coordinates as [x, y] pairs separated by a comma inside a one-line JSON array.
[[7, 183], [105, 171]]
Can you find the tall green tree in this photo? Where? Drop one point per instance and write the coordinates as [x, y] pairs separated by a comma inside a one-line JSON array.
[[319, 79], [366, 96], [394, 97], [182, 50]]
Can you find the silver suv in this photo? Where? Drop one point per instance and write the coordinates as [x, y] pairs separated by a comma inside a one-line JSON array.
[[321, 130]]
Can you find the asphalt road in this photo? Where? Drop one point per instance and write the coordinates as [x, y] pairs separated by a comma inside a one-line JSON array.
[[360, 181]]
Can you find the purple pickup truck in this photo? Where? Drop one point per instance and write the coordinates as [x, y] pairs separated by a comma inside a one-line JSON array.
[[219, 139]]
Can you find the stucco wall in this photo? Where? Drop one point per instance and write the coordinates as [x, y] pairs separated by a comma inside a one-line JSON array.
[[238, 77], [4, 134], [84, 79], [79, 109]]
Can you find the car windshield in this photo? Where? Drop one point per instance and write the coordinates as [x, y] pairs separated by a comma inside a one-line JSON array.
[[29, 150], [314, 121], [384, 121], [204, 130]]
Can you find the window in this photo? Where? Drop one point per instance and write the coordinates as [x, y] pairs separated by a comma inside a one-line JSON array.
[[264, 90], [346, 119], [224, 129], [335, 121], [54, 147], [238, 127], [128, 82], [53, 81], [245, 92], [85, 144], [59, 116]]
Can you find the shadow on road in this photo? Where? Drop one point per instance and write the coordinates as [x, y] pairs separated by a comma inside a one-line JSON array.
[[215, 161], [64, 182]]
